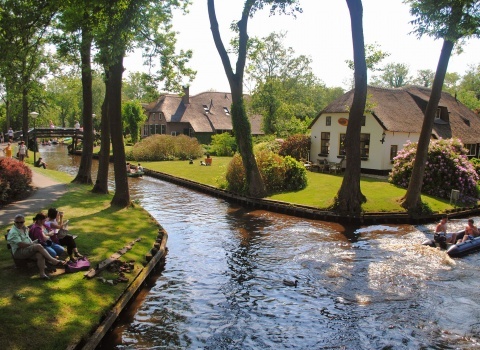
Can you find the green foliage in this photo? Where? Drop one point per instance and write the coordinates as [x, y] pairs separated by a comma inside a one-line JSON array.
[[278, 173], [15, 179], [394, 75], [373, 56], [166, 147], [133, 118], [447, 168], [140, 86], [296, 146], [223, 144]]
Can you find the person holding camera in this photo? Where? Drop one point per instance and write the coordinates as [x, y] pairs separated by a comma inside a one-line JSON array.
[[40, 232], [55, 223]]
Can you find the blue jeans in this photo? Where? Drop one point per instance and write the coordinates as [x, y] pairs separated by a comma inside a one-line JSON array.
[[54, 249]]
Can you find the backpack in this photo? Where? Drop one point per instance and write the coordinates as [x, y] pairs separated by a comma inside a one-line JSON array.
[[82, 264]]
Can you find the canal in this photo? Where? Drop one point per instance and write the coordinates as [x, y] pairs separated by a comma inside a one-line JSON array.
[[222, 286]]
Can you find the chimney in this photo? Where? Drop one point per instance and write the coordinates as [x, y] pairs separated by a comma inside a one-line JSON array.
[[186, 95]]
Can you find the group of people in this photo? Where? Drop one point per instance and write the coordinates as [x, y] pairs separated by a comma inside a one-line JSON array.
[[21, 153], [470, 232], [131, 168], [43, 241]]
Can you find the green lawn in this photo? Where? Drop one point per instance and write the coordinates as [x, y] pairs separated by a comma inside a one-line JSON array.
[[38, 314], [319, 193]]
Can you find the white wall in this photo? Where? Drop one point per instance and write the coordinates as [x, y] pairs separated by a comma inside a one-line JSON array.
[[379, 154]]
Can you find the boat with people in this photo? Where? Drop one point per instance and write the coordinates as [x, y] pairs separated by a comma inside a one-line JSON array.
[[135, 174], [454, 250]]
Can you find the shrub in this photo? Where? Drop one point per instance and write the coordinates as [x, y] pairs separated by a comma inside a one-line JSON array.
[[166, 147], [296, 146], [278, 173], [447, 168], [476, 165], [223, 145], [15, 179]]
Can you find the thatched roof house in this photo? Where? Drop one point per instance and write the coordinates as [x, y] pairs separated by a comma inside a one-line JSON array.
[[395, 117], [199, 116]]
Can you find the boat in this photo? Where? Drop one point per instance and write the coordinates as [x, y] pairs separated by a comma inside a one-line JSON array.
[[464, 248], [440, 239], [137, 174]]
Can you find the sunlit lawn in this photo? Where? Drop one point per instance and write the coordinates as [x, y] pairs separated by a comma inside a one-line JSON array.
[[321, 189], [38, 314]]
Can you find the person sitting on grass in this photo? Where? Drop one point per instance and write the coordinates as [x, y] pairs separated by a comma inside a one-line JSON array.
[[24, 248], [40, 163], [40, 232], [55, 222]]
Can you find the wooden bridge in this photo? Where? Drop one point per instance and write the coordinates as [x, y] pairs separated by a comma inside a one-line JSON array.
[[44, 133]]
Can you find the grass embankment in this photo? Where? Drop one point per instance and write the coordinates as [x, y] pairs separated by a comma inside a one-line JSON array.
[[320, 191], [38, 314]]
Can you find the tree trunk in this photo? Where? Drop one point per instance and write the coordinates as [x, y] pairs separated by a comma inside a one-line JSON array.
[[240, 123], [121, 197], [349, 197], [101, 184], [25, 119], [412, 200], [84, 174]]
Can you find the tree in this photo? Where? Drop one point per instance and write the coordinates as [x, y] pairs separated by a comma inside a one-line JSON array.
[[471, 80], [241, 125], [140, 86], [122, 24], [450, 20], [26, 22], [424, 77], [349, 197], [286, 92], [133, 117], [394, 75]]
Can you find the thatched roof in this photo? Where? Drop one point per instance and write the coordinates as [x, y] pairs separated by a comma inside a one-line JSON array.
[[206, 112], [402, 110]]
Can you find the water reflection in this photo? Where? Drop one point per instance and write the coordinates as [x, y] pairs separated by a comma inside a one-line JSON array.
[[374, 287]]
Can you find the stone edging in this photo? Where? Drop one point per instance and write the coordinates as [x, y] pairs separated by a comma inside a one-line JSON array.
[[307, 211], [153, 258]]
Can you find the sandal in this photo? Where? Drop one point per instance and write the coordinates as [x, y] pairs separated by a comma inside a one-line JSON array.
[[78, 255], [45, 277], [60, 263]]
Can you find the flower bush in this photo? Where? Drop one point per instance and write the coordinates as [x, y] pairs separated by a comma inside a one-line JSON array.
[[166, 147], [15, 179], [447, 169], [296, 146], [278, 173]]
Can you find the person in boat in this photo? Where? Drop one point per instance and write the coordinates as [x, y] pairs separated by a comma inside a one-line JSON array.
[[471, 231], [40, 163], [442, 229], [139, 168]]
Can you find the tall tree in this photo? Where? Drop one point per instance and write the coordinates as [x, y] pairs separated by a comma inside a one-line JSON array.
[[450, 20], [394, 75], [123, 24], [24, 24], [424, 77], [241, 125], [350, 197]]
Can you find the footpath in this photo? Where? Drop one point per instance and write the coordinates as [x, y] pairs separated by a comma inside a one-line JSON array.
[[45, 191]]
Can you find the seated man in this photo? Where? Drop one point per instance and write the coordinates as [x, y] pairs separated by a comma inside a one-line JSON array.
[[442, 229], [471, 231], [40, 163], [24, 248]]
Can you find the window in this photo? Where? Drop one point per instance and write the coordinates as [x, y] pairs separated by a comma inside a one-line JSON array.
[[205, 107], [163, 129], [325, 143], [341, 148], [438, 114], [364, 145], [173, 133], [364, 118], [145, 130], [153, 116], [226, 110], [393, 151], [328, 121], [472, 149]]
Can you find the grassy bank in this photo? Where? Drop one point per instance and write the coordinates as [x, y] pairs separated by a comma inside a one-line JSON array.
[[322, 188], [38, 314]]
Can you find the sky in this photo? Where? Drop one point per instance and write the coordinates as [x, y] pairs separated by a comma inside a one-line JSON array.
[[321, 32]]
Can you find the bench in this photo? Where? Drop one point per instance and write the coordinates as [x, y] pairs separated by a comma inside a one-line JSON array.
[[208, 161], [23, 263]]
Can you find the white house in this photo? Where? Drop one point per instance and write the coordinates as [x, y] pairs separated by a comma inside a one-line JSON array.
[[396, 117]]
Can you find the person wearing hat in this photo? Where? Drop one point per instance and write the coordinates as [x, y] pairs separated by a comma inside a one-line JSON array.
[[22, 151], [40, 163], [24, 248]]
